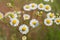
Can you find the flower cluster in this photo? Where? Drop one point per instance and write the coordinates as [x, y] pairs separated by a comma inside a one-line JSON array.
[[14, 21], [50, 18], [40, 6], [14, 17]]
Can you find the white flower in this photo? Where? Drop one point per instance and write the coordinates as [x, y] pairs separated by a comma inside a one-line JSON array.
[[1, 15], [24, 29], [48, 22], [27, 8], [24, 37], [34, 23], [57, 21], [47, 8], [26, 17], [9, 5], [11, 15], [14, 22], [33, 6], [46, 0], [41, 6], [51, 15]]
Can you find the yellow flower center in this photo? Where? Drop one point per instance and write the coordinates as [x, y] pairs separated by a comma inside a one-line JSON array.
[[34, 23], [1, 16], [27, 7], [41, 12], [26, 17], [33, 5], [41, 6], [58, 21], [48, 21], [24, 28], [47, 7], [51, 15], [14, 21]]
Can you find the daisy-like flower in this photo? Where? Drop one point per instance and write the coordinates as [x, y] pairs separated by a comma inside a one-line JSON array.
[[48, 22], [34, 23], [1, 15], [57, 21], [41, 6], [9, 5], [24, 37], [47, 8], [27, 8], [26, 17], [24, 29], [11, 15], [33, 6], [46, 0], [51, 15], [14, 22]]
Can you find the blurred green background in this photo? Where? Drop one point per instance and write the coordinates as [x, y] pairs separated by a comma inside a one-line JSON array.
[[41, 33]]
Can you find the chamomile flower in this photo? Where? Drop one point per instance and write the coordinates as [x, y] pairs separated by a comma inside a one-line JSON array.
[[24, 37], [57, 21], [48, 22], [1, 15], [41, 6], [26, 17], [11, 15], [47, 8], [51, 15], [24, 29], [14, 22], [9, 5], [34, 23], [46, 0], [27, 8], [33, 6]]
